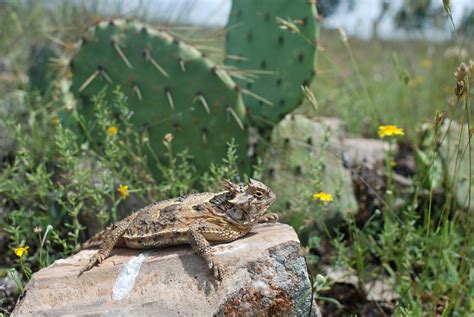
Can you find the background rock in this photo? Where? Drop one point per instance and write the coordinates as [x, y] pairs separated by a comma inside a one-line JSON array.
[[370, 152], [450, 170], [454, 152], [265, 276]]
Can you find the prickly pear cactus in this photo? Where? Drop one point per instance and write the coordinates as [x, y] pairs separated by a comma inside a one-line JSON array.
[[39, 70], [303, 152], [277, 38], [171, 88]]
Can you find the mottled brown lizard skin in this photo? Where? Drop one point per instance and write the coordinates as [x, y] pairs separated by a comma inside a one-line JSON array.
[[198, 219]]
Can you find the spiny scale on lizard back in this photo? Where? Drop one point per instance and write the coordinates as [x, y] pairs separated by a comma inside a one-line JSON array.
[[171, 214]]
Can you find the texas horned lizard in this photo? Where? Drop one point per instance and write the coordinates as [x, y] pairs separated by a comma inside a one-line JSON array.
[[197, 219]]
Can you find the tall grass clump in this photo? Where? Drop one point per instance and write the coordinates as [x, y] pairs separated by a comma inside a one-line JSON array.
[[419, 244]]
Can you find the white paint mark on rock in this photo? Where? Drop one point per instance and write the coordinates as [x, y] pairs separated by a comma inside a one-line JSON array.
[[126, 279], [227, 248]]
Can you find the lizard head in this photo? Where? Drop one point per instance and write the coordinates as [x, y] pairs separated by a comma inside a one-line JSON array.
[[252, 201]]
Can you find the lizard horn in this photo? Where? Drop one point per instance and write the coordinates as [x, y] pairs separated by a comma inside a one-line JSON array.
[[251, 183], [227, 184]]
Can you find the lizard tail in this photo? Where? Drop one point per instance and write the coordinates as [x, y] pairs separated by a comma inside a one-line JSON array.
[[99, 237]]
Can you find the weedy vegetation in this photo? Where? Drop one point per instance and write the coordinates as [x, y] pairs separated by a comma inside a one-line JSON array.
[[63, 178]]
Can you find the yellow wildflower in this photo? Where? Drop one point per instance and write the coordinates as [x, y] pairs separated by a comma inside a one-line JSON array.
[[416, 81], [322, 196], [55, 121], [111, 131], [426, 63], [123, 191], [389, 130], [21, 251]]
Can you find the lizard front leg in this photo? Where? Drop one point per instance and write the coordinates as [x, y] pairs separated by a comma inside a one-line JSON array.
[[268, 218], [203, 248]]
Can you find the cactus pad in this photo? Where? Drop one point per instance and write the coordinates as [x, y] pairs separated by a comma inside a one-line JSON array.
[[303, 153], [278, 38], [39, 72], [171, 88]]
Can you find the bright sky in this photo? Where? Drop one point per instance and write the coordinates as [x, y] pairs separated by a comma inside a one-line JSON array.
[[215, 12], [359, 21]]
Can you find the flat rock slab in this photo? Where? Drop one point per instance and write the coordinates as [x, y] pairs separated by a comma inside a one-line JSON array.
[[265, 276]]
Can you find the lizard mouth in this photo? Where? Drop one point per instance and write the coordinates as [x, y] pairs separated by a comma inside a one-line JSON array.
[[238, 216]]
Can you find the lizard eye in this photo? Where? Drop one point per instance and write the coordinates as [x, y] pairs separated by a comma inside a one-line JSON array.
[[258, 194]]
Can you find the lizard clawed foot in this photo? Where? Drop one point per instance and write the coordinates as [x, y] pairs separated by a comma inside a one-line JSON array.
[[95, 259], [217, 270], [268, 218]]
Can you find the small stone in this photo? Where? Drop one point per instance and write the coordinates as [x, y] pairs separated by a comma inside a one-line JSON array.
[[369, 152]]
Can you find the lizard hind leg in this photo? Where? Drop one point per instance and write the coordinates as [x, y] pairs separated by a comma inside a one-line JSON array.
[[111, 239]]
